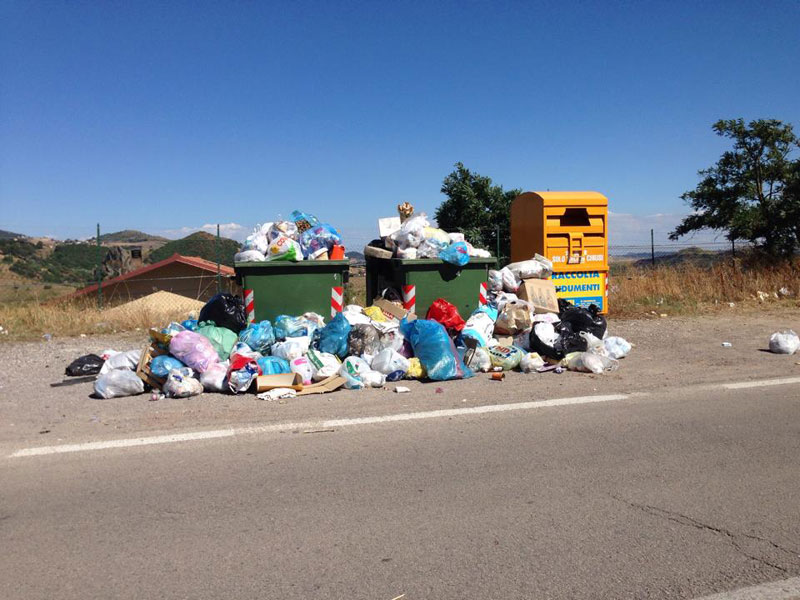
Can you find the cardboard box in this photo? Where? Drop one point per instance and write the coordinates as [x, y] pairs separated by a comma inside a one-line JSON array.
[[332, 383], [283, 380], [392, 310], [541, 293]]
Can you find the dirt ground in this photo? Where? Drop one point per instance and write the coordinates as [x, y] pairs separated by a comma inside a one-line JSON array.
[[667, 352]]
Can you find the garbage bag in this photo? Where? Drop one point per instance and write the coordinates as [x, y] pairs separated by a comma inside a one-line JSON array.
[[122, 360], [455, 254], [516, 316], [505, 357], [531, 362], [221, 338], [390, 363], [333, 337], [351, 368], [784, 341], [259, 336], [302, 366], [284, 248], [88, 364], [441, 236], [181, 383], [480, 326], [435, 349], [495, 282], [538, 267], [256, 242], [225, 310], [292, 348], [273, 365], [415, 369], [523, 339], [511, 282], [240, 380], [616, 347], [161, 365], [373, 379], [279, 229], [190, 324], [303, 220], [445, 313], [363, 339], [431, 248], [289, 327], [582, 319], [173, 328], [118, 383], [556, 341], [249, 256], [589, 362], [323, 364], [478, 359], [319, 237], [411, 232], [214, 379], [193, 350]]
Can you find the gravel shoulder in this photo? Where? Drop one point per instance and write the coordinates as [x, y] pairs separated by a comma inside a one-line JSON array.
[[668, 352]]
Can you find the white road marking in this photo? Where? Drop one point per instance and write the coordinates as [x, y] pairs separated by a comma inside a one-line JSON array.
[[775, 590], [760, 383], [221, 433]]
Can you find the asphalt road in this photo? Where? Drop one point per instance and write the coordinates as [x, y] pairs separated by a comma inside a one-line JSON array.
[[678, 493]]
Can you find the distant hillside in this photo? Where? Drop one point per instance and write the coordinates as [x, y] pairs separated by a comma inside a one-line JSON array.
[[10, 235], [200, 244], [694, 256], [130, 236], [67, 263]]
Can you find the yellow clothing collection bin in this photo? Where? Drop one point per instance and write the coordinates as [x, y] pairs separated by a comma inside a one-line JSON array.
[[571, 229]]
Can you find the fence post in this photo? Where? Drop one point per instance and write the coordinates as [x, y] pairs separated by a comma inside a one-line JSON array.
[[497, 238], [99, 272], [652, 249], [216, 248], [733, 248]]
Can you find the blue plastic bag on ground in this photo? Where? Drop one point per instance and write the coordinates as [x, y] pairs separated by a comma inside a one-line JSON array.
[[273, 365], [434, 349], [286, 327], [190, 324], [333, 337], [161, 365], [455, 254], [259, 336]]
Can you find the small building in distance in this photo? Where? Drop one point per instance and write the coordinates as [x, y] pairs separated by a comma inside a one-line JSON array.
[[188, 276]]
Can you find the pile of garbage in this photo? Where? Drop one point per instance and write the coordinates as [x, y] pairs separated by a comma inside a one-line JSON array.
[[302, 237], [411, 236]]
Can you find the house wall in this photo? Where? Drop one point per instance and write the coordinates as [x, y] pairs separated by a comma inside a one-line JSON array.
[[177, 278]]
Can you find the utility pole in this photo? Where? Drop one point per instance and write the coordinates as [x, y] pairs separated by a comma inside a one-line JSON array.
[[99, 271], [652, 249], [219, 280]]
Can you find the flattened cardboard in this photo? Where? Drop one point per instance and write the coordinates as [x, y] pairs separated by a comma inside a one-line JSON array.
[[282, 380], [332, 383], [392, 310], [388, 225], [541, 293]]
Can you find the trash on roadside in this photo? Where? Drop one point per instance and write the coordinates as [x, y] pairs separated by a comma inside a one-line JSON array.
[[785, 341], [118, 383], [726, 345], [401, 389], [88, 364], [181, 383]]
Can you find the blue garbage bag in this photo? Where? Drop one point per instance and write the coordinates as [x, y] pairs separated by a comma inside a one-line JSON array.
[[455, 254], [333, 337], [190, 324], [434, 349], [286, 327], [273, 365], [322, 236], [259, 336], [161, 365]]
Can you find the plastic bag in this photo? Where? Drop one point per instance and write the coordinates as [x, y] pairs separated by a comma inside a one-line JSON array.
[[784, 341], [225, 310], [455, 237], [479, 327], [302, 367], [393, 339], [323, 364], [438, 235], [523, 339], [407, 253], [455, 254], [363, 339], [172, 328], [240, 380], [375, 313], [589, 362], [88, 364], [256, 242], [582, 319], [319, 237], [511, 282], [273, 365], [373, 379], [193, 350], [292, 348], [505, 357], [181, 383], [122, 360], [434, 349], [118, 383], [259, 336], [249, 256], [350, 369], [538, 267], [390, 363], [415, 369], [214, 379], [503, 298], [411, 232], [479, 359], [495, 282], [289, 327], [161, 365], [516, 316], [565, 340], [190, 324], [445, 313], [281, 229], [531, 362], [284, 248], [333, 337], [431, 248], [303, 220], [222, 338], [616, 347]]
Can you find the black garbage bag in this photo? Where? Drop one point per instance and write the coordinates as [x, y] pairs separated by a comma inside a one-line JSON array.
[[567, 341], [363, 339], [89, 364], [226, 310], [583, 319]]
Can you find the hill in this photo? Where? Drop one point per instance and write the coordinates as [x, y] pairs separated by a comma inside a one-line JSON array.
[[200, 244], [130, 236], [687, 256], [10, 235], [67, 263]]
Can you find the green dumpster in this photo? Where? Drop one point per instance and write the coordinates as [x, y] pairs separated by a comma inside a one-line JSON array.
[[422, 281], [292, 288]]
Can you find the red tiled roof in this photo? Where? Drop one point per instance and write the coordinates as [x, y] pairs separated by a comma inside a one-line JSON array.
[[194, 261]]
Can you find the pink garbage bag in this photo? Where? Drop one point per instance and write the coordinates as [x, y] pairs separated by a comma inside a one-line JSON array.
[[193, 350]]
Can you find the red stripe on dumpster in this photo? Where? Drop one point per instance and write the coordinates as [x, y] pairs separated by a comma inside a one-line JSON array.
[[410, 298], [337, 300], [250, 305], [482, 294]]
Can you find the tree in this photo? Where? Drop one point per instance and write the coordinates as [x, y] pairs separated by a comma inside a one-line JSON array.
[[476, 208], [753, 192]]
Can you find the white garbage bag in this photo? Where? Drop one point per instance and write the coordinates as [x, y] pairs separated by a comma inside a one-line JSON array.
[[784, 341], [122, 360], [118, 383], [213, 378], [530, 362], [616, 347], [181, 383]]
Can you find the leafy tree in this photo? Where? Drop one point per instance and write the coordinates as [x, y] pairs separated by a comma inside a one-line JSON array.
[[476, 208], [753, 192]]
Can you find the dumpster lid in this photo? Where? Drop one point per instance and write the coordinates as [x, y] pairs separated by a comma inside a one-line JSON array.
[[282, 264], [439, 261], [578, 198]]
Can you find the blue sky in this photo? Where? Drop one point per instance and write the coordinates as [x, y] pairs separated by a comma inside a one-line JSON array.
[[169, 116]]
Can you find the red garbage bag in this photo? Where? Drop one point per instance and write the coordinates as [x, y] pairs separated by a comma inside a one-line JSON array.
[[445, 313]]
